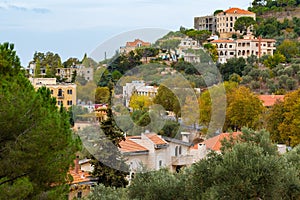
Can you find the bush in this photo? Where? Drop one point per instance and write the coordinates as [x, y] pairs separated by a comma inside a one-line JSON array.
[[108, 193], [254, 85], [291, 83]]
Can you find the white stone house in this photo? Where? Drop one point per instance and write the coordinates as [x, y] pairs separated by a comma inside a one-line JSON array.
[[151, 152]]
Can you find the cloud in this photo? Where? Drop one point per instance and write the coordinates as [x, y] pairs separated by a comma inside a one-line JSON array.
[[14, 7]]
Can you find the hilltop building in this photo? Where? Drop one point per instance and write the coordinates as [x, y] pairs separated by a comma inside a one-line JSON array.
[[130, 46], [227, 18], [223, 22], [208, 23]]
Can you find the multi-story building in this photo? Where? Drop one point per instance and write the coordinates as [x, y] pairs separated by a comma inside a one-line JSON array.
[[226, 49], [130, 46], [244, 48], [258, 47], [208, 23], [227, 18], [67, 73], [65, 93]]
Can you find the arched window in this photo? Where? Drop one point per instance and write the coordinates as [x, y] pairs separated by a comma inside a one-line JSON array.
[[180, 150], [176, 151], [59, 93]]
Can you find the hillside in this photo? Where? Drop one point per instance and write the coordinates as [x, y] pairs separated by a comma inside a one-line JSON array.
[[288, 12]]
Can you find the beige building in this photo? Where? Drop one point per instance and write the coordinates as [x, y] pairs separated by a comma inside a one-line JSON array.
[[67, 73], [226, 20], [226, 49], [244, 48], [208, 23], [65, 93]]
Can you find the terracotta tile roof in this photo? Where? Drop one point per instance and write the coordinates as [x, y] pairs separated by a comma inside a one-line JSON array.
[[214, 143], [223, 41], [79, 177], [270, 100], [135, 43], [130, 146], [156, 139], [238, 11], [195, 146]]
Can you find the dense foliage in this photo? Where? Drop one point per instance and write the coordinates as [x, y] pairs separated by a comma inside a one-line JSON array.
[[37, 145], [249, 168]]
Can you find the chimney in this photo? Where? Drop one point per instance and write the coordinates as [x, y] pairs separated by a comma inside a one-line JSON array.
[[77, 164], [185, 136]]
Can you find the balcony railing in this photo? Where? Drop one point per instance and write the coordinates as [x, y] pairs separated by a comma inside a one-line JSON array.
[[60, 96]]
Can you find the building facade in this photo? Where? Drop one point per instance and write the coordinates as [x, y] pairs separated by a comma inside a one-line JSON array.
[[244, 48], [67, 73], [65, 93], [226, 20], [208, 23], [151, 152]]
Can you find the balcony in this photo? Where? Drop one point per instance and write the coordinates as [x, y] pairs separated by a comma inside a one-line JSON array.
[[182, 160], [60, 96]]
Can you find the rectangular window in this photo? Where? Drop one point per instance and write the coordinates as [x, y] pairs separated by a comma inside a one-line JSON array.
[[79, 195], [69, 103], [160, 163]]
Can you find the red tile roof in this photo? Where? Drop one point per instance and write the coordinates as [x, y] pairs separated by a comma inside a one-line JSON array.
[[135, 43], [214, 143], [238, 11], [270, 100], [79, 177], [156, 139], [130, 146], [223, 41]]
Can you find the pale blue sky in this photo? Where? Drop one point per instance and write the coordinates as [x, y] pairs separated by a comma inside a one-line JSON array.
[[74, 27]]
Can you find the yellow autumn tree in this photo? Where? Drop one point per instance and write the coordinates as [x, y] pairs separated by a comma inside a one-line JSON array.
[[244, 108], [289, 127], [138, 102], [211, 101]]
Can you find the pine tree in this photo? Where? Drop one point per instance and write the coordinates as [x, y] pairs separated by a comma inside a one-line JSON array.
[[109, 166], [36, 144]]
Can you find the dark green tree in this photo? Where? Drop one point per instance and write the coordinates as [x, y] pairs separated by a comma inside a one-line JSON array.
[[112, 136], [71, 62], [37, 145], [168, 100], [233, 65], [243, 23]]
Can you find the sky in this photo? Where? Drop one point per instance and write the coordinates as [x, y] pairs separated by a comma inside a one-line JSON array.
[[72, 28]]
